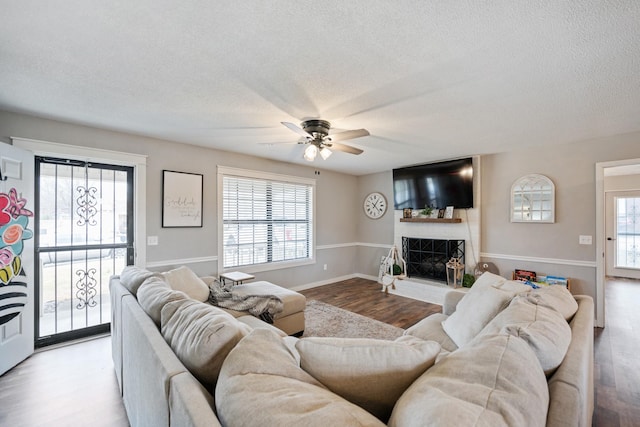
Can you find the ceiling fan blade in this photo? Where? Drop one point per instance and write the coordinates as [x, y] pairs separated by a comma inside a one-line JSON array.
[[344, 148], [297, 130], [349, 134]]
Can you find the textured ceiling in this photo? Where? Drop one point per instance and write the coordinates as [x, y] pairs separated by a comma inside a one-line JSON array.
[[429, 79]]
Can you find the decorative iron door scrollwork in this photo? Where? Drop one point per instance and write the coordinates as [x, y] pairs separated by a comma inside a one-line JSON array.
[[87, 203], [86, 286]]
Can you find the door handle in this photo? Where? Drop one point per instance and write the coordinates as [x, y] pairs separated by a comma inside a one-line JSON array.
[[610, 238]]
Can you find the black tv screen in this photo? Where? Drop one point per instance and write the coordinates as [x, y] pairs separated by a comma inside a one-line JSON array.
[[437, 185]]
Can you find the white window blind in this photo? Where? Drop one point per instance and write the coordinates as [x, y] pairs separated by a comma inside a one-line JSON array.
[[265, 221]]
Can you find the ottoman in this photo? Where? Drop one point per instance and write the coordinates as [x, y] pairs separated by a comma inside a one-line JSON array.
[[291, 319]]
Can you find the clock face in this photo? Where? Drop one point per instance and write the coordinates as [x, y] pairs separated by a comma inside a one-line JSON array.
[[375, 205]]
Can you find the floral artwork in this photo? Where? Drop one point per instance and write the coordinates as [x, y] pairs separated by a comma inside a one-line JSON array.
[[14, 222]]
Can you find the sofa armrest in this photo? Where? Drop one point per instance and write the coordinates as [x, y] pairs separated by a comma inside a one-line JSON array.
[[451, 300], [190, 404]]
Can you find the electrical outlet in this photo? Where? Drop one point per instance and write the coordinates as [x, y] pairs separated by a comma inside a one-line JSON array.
[[585, 240], [325, 267], [152, 240]]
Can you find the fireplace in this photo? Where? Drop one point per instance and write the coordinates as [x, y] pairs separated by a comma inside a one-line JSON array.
[[427, 258]]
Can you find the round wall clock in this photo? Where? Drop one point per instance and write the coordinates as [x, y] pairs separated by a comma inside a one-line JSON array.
[[375, 205]]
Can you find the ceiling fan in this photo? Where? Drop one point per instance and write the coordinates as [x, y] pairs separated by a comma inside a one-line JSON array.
[[316, 134]]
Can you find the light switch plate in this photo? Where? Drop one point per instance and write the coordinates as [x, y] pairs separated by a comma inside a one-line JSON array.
[[152, 240], [585, 240]]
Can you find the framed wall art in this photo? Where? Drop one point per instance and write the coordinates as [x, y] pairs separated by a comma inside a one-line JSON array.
[[181, 199]]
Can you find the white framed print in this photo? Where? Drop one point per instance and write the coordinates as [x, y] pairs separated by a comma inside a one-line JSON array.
[[181, 199], [448, 212]]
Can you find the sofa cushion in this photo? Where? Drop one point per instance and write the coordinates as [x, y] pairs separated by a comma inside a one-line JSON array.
[[154, 293], [556, 297], [543, 328], [132, 277], [491, 382], [185, 280], [262, 383], [430, 329], [488, 296], [367, 372], [201, 335]]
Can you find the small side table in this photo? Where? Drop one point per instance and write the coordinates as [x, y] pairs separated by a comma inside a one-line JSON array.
[[236, 277]]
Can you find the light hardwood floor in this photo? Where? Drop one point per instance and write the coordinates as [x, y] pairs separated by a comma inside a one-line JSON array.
[[75, 385]]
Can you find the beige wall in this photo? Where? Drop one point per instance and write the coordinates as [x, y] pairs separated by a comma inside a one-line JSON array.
[[549, 248], [375, 235], [349, 242], [337, 209]]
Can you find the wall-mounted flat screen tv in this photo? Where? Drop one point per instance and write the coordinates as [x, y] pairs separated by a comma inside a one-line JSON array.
[[437, 185]]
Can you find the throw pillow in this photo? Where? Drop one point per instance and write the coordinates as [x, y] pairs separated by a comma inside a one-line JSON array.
[[154, 293], [185, 280], [261, 383], [201, 335], [491, 382], [367, 372], [543, 328], [132, 277], [479, 306]]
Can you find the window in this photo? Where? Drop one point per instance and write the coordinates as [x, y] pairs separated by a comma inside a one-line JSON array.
[[267, 219]]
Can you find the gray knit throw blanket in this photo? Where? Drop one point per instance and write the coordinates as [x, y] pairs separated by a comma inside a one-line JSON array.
[[262, 306]]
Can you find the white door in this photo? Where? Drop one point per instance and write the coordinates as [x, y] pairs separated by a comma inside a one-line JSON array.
[[622, 219], [16, 256]]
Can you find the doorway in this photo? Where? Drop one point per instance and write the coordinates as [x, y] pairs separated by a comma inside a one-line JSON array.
[[623, 234], [607, 170], [84, 235]]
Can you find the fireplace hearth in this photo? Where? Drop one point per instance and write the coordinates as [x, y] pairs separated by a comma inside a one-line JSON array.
[[427, 258]]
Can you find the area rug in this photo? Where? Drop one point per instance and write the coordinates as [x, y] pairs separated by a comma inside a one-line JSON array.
[[325, 320]]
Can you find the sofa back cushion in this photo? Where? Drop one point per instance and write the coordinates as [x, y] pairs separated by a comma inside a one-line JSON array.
[[201, 335], [154, 293], [488, 296], [542, 328], [132, 277], [261, 383], [494, 382], [557, 298], [185, 280], [367, 372]]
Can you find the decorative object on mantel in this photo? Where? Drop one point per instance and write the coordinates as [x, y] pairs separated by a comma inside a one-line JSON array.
[[395, 267], [455, 272], [427, 211], [181, 199], [442, 220], [448, 212], [407, 213]]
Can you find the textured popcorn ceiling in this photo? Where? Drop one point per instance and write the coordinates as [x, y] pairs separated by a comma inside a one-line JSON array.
[[429, 79]]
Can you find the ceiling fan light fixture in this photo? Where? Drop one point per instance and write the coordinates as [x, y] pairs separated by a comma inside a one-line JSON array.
[[325, 153], [310, 153]]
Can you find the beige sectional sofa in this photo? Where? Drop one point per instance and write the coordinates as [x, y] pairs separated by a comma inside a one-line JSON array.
[[498, 355]]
